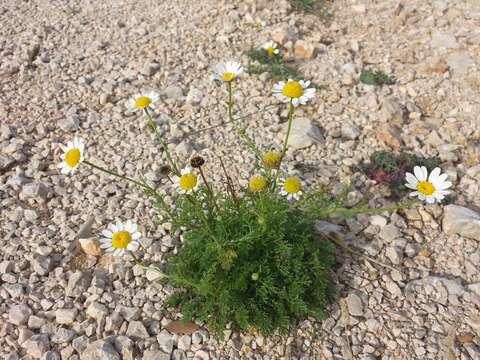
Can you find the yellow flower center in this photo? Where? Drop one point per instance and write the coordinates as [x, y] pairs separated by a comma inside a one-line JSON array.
[[257, 183], [271, 159], [228, 76], [142, 102], [188, 181], [425, 187], [292, 185], [292, 89], [270, 50], [72, 157], [120, 239]]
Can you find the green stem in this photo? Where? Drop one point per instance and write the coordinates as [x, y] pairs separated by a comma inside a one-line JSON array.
[[209, 188], [138, 262], [291, 110], [240, 130], [161, 141]]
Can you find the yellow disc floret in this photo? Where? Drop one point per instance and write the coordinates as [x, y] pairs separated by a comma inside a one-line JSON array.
[[257, 183], [187, 181], [270, 50], [271, 159], [120, 239], [292, 185], [142, 102], [228, 76], [425, 187], [72, 157], [292, 89]]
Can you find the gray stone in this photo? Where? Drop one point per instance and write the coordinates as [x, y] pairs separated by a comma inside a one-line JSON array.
[[355, 304], [78, 283], [304, 133], [36, 322], [150, 68], [173, 92], [113, 322], [19, 314], [460, 62], [37, 345], [389, 233], [35, 190], [80, 343], [394, 254], [97, 311], [462, 221], [69, 124], [100, 350], [51, 355], [155, 355], [443, 40], [350, 131], [392, 112], [123, 345], [184, 342], [65, 316], [324, 227], [63, 336], [130, 313], [165, 340], [136, 330], [194, 96], [373, 325], [41, 264]]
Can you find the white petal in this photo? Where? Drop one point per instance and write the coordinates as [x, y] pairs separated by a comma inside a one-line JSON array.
[[419, 173], [295, 102], [434, 175], [411, 179], [107, 233], [132, 246], [430, 199], [442, 185], [136, 235]]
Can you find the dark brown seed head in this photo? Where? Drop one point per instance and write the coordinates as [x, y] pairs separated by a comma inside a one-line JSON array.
[[165, 170], [197, 161]]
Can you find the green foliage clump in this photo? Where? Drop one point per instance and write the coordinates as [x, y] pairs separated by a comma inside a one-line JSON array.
[[257, 263], [371, 77], [317, 7], [390, 168]]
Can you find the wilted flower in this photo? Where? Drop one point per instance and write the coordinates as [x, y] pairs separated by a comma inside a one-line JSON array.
[[197, 161], [271, 159], [257, 183]]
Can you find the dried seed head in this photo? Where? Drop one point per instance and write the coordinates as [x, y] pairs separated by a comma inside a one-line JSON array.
[[197, 161], [165, 170]]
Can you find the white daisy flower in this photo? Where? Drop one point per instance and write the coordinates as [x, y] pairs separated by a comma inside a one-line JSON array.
[[431, 188], [72, 156], [187, 182], [291, 188], [143, 101], [120, 238], [271, 48], [227, 71], [259, 22], [297, 92]]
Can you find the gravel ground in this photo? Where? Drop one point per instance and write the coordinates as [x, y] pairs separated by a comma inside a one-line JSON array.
[[67, 69]]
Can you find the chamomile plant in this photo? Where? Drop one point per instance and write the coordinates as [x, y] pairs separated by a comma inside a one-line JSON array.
[[249, 255]]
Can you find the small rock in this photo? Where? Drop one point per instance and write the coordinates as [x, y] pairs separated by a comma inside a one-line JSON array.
[[36, 322], [136, 330], [150, 68], [65, 316], [304, 133], [394, 254], [42, 264], [443, 40], [100, 350], [304, 49], [460, 62], [390, 135], [461, 220], [282, 35], [194, 96], [63, 336], [97, 311], [19, 314], [373, 325], [78, 283], [51, 355], [355, 305], [173, 92], [350, 131], [389, 233], [69, 124], [201, 355], [378, 220], [36, 345], [90, 246], [6, 266], [165, 340], [155, 355], [392, 112], [35, 190], [184, 342]]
